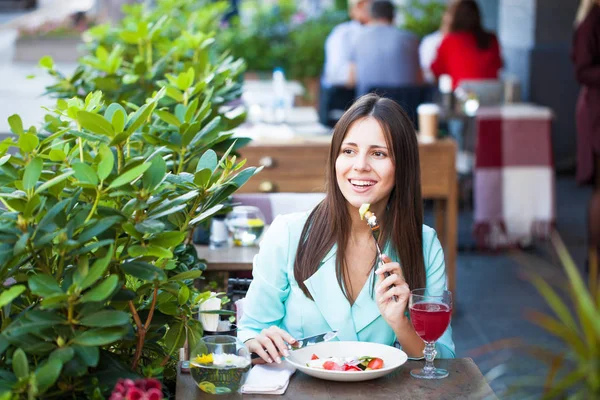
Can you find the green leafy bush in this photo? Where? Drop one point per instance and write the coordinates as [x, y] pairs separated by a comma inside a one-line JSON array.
[[281, 36], [420, 17], [100, 203]]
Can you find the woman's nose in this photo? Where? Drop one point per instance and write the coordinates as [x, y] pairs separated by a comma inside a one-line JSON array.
[[361, 163]]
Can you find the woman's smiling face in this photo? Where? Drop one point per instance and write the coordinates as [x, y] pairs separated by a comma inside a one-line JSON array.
[[364, 168]]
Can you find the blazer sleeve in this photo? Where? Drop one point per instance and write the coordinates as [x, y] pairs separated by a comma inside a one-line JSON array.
[[435, 269], [264, 304], [585, 50]]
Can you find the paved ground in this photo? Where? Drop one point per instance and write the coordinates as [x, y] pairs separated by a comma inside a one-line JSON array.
[[492, 292]]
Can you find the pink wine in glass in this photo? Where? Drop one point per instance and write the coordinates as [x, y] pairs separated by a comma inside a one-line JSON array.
[[430, 320]]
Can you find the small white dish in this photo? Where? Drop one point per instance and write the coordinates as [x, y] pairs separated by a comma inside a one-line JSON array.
[[392, 358]]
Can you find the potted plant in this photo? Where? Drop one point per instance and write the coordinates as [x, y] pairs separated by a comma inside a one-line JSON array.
[[99, 204]]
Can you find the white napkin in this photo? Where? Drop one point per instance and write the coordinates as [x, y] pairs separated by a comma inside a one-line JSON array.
[[268, 379]]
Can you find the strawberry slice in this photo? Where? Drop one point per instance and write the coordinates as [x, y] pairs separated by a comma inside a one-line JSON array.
[[314, 357], [351, 368]]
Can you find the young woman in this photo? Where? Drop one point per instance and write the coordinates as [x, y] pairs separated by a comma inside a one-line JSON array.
[[586, 57], [468, 51], [316, 271]]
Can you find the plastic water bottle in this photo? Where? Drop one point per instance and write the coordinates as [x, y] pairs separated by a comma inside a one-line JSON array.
[[280, 100]]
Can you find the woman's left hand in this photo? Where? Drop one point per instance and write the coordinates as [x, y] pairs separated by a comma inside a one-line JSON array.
[[391, 311]]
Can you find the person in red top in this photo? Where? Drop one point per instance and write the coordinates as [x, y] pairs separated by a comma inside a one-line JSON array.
[[468, 51]]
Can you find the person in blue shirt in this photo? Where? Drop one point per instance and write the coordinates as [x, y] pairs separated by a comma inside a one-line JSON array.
[[316, 271]]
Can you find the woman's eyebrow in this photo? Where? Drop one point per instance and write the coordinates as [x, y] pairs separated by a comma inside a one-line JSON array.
[[373, 146]]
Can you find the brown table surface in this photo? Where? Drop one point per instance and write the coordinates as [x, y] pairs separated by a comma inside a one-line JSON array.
[[465, 381]]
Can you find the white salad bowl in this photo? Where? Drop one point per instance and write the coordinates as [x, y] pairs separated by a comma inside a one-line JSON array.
[[392, 358]]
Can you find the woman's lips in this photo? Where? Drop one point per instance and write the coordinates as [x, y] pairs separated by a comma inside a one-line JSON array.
[[361, 185]]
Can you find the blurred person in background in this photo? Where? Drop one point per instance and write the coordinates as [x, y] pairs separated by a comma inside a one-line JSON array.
[[340, 42], [430, 44], [384, 56], [468, 51], [334, 94], [586, 57]]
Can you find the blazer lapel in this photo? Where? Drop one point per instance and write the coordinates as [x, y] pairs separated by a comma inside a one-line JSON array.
[[330, 300], [364, 309]]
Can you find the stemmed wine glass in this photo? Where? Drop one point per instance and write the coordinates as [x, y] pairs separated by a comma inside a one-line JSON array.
[[430, 316]]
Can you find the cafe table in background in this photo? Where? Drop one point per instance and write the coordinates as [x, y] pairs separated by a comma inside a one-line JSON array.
[[514, 185]]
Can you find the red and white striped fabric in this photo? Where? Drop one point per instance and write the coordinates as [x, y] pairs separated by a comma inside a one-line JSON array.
[[514, 186]]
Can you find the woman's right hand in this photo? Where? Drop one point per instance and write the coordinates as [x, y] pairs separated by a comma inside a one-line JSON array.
[[270, 344]]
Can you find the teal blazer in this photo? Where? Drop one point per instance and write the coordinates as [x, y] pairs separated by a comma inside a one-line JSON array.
[[274, 297]]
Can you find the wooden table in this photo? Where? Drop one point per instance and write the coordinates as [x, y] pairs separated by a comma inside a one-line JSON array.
[[465, 381], [438, 182]]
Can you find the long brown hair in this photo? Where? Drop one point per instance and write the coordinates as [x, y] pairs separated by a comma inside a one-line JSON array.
[[329, 223], [466, 17]]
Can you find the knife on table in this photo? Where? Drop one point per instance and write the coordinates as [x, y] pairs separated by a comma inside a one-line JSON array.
[[307, 341]]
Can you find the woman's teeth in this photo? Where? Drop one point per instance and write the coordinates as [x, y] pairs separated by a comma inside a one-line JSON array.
[[361, 183]]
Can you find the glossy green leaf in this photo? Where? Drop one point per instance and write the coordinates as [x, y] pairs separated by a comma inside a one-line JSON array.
[[139, 117], [183, 276], [57, 155], [44, 285], [16, 124], [155, 174], [97, 270], [202, 177], [168, 118], [86, 174], [107, 162], [168, 203], [175, 94], [20, 364], [129, 37], [8, 295], [206, 214], [168, 211], [207, 161], [144, 271], [98, 228], [150, 226], [95, 123], [89, 355], [183, 295], [118, 120], [4, 159], [168, 239], [153, 251], [33, 170], [208, 128], [191, 110], [54, 181], [175, 337], [106, 318], [100, 336], [63, 354], [129, 176], [243, 177], [101, 291], [47, 374], [54, 300]]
